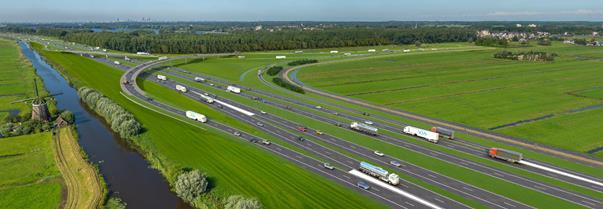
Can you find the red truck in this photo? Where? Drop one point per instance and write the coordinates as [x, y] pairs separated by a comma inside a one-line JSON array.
[[503, 154]]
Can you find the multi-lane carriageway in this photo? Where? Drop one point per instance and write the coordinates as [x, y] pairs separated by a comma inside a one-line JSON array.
[[394, 126], [389, 197], [504, 203], [522, 181]]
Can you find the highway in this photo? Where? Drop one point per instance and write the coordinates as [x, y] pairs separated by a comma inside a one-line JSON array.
[[455, 126], [495, 172], [468, 191], [341, 176]]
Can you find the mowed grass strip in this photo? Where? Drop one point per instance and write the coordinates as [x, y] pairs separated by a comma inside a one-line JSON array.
[[84, 187], [235, 167], [29, 177], [471, 87]]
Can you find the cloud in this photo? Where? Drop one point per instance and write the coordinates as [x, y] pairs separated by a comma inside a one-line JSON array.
[[514, 13]]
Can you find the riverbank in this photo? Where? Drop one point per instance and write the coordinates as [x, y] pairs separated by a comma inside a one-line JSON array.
[[85, 189]]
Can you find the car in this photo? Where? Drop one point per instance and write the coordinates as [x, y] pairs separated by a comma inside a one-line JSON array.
[[395, 163], [236, 133], [206, 94], [260, 124], [338, 124], [300, 138], [318, 107], [363, 185], [302, 129], [380, 154], [263, 112], [253, 140], [220, 106], [368, 122], [336, 113], [366, 113], [328, 166], [318, 132], [266, 142], [211, 84]]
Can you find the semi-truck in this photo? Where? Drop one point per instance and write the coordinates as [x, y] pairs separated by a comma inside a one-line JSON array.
[[443, 131], [504, 154], [379, 173], [233, 89], [161, 77], [364, 128], [425, 134], [181, 88], [196, 116], [206, 98], [199, 79]]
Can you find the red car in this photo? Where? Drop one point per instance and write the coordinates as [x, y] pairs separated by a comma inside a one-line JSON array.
[[302, 129]]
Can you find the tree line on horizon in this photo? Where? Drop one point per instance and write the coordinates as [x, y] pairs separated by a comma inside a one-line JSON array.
[[243, 41]]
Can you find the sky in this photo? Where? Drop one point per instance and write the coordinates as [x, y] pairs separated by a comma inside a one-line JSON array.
[[300, 10]]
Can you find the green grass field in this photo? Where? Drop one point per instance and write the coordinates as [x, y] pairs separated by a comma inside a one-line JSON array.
[[16, 80], [235, 167], [30, 177], [473, 88]]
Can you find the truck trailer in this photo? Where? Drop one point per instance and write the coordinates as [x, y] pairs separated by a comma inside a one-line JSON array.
[[206, 98], [425, 134], [379, 173], [233, 89], [161, 77], [443, 131], [364, 128], [196, 116], [199, 79], [181, 88], [504, 154]]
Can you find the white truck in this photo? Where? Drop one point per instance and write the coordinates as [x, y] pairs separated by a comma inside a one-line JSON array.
[[281, 57], [233, 89], [163, 58], [206, 98], [379, 173], [116, 62], [181, 88], [334, 52], [372, 50], [199, 79], [425, 134], [161, 77], [196, 116], [364, 128]]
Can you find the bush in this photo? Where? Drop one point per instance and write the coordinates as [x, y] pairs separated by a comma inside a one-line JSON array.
[[115, 203], [544, 42], [287, 85], [190, 185], [529, 56], [68, 116], [302, 62], [274, 70], [240, 202], [121, 121]]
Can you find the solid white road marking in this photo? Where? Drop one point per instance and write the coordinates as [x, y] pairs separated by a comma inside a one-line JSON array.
[[559, 172], [393, 189]]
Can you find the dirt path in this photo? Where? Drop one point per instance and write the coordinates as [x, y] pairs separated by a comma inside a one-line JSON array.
[[457, 127], [84, 189]]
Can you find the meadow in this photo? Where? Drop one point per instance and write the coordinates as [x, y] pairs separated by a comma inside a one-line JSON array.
[[234, 166], [473, 88], [30, 177], [16, 82]]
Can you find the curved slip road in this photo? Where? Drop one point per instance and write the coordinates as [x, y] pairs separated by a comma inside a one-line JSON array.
[[343, 177]]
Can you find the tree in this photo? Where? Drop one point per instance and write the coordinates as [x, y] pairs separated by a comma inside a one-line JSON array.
[[240, 202], [418, 43], [190, 185], [68, 116]]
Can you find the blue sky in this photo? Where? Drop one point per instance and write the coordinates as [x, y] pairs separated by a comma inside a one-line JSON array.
[[317, 10]]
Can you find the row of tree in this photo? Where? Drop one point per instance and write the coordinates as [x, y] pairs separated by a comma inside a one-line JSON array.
[[302, 62], [287, 85], [529, 56], [274, 70], [263, 40], [121, 121], [492, 42]]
